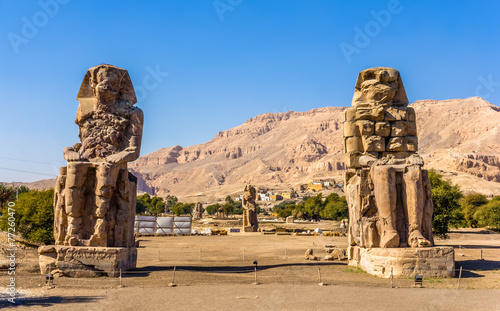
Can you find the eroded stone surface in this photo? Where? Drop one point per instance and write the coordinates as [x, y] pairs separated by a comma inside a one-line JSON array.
[[436, 261], [388, 193], [82, 261], [95, 195], [198, 210], [250, 222]]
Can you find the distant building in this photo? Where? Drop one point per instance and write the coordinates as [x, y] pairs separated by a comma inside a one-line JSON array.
[[275, 197], [314, 186], [286, 195], [301, 188], [262, 197]]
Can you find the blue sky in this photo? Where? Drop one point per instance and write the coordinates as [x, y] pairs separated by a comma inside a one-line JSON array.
[[204, 66]]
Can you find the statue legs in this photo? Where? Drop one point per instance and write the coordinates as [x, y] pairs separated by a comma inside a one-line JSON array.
[[415, 204], [74, 200], [122, 211], [384, 181], [60, 218], [106, 175]]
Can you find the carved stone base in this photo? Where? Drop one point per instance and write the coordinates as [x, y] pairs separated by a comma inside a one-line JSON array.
[[82, 261], [406, 262], [250, 229]]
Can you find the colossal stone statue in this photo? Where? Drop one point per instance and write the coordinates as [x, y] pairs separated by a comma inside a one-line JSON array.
[[250, 222], [95, 195], [198, 211], [388, 192]]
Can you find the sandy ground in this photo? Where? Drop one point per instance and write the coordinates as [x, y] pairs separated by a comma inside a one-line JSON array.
[[224, 278]]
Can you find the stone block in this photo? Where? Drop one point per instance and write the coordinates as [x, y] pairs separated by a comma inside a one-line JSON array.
[[383, 129], [352, 159], [84, 261], [396, 144], [396, 155], [395, 114], [412, 143], [250, 229], [366, 127], [350, 114], [350, 129], [353, 144], [410, 114], [373, 113], [398, 128], [373, 143], [411, 129], [437, 261]]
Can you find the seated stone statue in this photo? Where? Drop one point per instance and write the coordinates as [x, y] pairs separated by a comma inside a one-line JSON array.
[[388, 193], [250, 222], [95, 195]]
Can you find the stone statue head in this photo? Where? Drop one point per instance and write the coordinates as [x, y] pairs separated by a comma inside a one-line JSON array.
[[250, 191], [105, 85], [379, 86]]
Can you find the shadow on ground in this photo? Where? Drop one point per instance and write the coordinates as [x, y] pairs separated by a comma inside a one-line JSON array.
[[470, 267], [49, 301], [145, 271], [466, 246]]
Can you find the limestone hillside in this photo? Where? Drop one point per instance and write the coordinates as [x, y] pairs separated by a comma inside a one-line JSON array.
[[459, 136]]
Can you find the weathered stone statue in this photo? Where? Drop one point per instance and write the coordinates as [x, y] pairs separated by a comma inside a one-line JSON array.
[[198, 211], [388, 192], [220, 212], [250, 222], [95, 195]]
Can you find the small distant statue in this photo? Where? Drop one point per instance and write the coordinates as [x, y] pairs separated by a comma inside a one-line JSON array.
[[388, 192], [250, 222], [198, 211], [220, 212], [95, 195]]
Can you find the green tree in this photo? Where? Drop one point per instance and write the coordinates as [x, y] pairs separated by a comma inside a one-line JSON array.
[[228, 207], [313, 206], [22, 189], [142, 203], [446, 198], [212, 209], [34, 216], [335, 209], [470, 204], [170, 201], [156, 206], [153, 205], [229, 200], [182, 208], [488, 215], [238, 208], [284, 209]]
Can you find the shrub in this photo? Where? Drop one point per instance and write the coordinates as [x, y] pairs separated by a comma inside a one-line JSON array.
[[446, 198], [34, 216], [488, 215]]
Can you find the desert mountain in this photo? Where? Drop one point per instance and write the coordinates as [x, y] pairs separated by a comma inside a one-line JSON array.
[[459, 136]]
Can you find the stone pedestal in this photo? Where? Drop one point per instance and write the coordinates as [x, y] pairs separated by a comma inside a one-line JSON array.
[[250, 229], [438, 261], [83, 261]]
